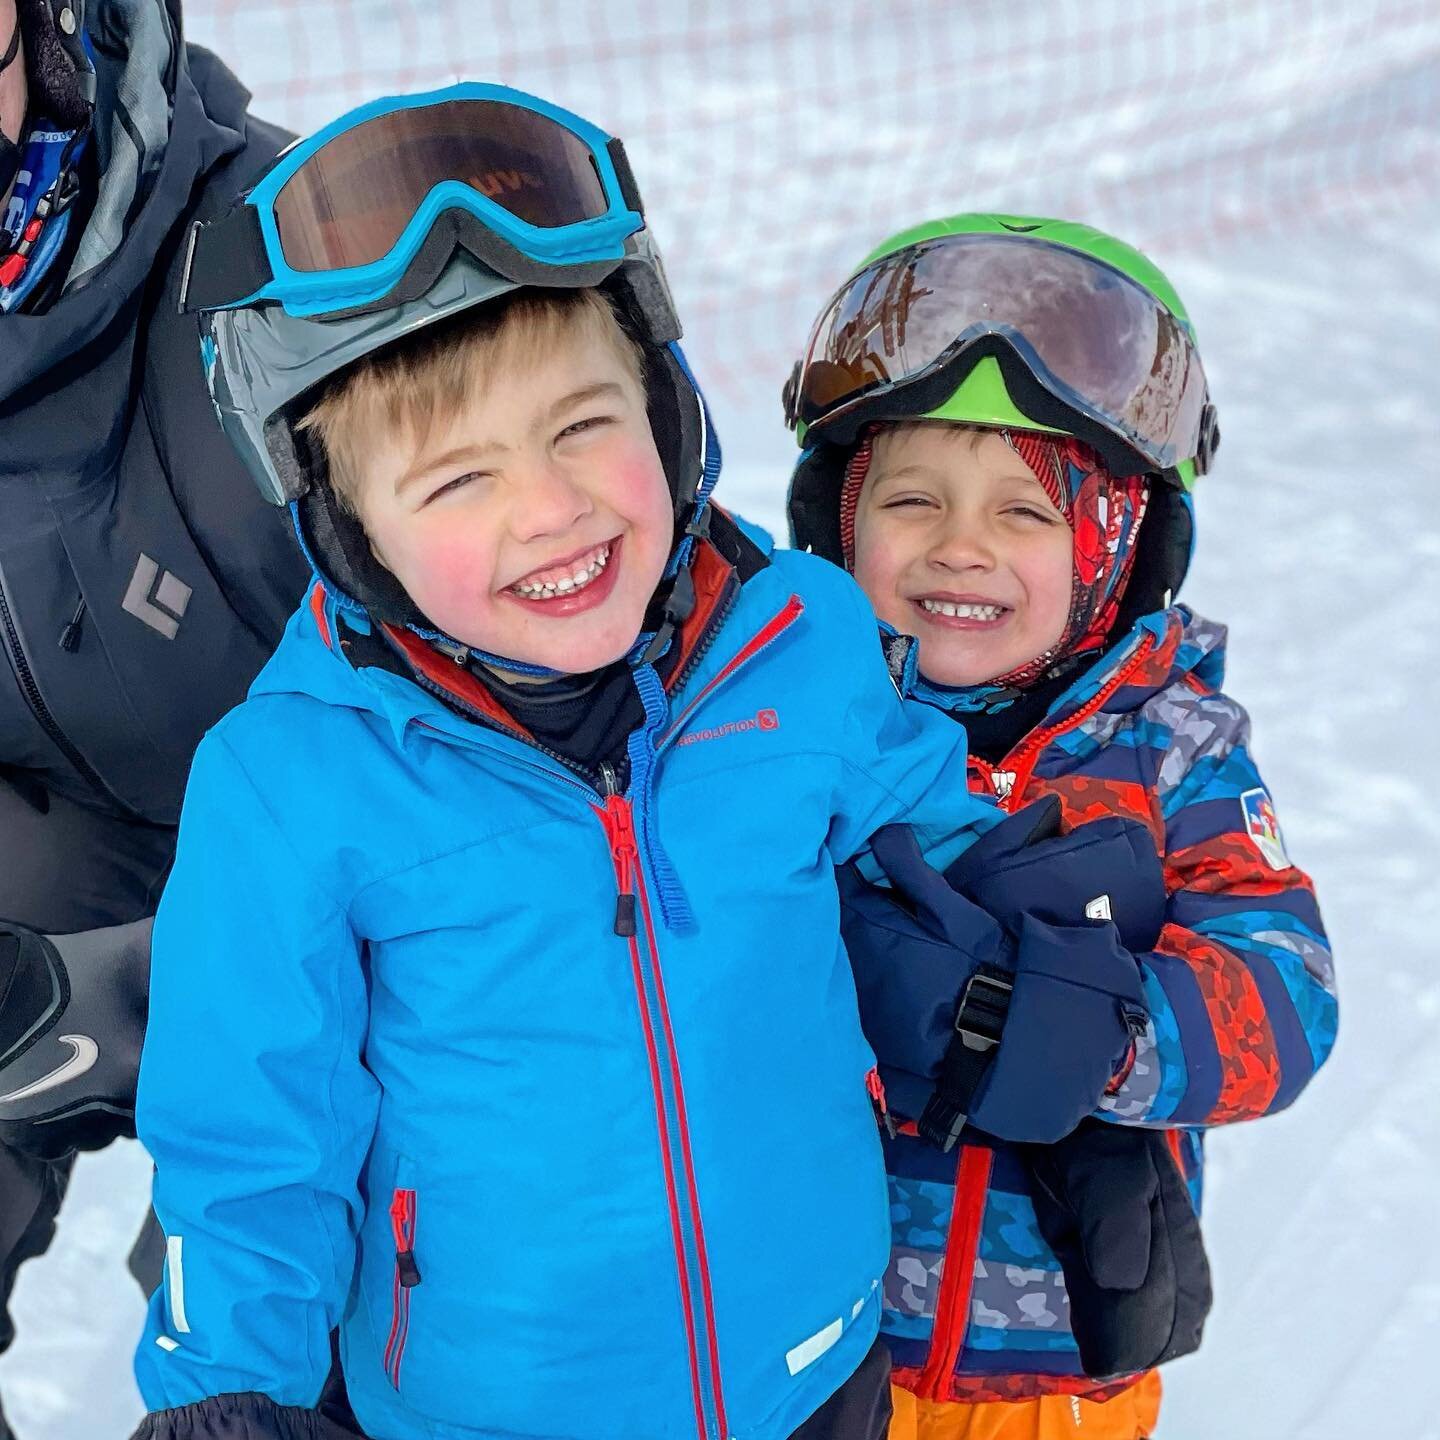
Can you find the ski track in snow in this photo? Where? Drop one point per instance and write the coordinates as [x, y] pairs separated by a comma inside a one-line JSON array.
[[1319, 544]]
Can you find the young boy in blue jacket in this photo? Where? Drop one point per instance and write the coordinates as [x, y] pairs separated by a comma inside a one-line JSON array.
[[499, 1017]]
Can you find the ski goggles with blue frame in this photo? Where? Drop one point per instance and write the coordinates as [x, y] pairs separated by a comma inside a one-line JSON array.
[[364, 214]]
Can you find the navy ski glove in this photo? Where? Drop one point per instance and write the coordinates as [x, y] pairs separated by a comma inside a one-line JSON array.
[[1076, 1008], [911, 949], [1075, 1000], [247, 1416], [1107, 869], [72, 1022], [1078, 905]]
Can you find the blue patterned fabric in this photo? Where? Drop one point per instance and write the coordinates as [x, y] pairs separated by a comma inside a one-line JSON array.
[[1239, 986]]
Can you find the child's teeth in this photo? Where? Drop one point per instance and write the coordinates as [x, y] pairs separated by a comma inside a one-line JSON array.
[[549, 589], [963, 612]]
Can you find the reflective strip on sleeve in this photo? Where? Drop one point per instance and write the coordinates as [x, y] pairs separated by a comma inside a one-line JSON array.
[[174, 1255], [807, 1352]]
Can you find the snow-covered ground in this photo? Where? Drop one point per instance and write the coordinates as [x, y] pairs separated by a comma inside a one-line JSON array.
[[1312, 271]]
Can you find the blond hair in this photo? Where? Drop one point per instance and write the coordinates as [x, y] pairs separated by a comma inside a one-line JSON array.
[[425, 380]]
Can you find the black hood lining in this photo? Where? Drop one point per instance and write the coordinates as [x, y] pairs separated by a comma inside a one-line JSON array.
[[59, 90]]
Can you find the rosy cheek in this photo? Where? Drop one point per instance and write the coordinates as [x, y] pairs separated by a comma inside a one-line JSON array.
[[450, 570], [637, 493], [879, 563], [1051, 586], [636, 484]]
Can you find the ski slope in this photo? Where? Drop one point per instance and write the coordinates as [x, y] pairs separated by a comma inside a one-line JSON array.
[[1291, 194]]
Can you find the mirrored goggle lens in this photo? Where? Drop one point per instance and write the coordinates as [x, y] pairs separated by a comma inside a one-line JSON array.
[[1103, 343], [350, 202]]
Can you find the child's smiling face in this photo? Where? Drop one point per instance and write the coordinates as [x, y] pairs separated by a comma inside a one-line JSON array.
[[506, 474], [957, 543], [535, 525]]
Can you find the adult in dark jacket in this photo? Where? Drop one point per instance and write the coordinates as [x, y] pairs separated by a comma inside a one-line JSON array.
[[142, 581]]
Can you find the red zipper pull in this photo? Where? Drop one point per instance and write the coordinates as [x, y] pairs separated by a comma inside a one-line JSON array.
[[402, 1225], [621, 830], [876, 1086]]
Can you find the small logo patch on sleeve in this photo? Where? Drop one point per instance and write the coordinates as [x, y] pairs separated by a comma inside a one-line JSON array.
[[1262, 825]]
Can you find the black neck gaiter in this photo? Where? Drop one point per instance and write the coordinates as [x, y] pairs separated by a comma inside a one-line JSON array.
[[585, 719]]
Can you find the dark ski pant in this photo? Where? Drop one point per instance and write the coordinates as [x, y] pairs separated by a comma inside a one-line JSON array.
[[30, 1195], [860, 1408], [31, 1192]]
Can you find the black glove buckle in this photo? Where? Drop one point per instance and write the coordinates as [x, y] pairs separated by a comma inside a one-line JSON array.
[[979, 1023], [980, 1020]]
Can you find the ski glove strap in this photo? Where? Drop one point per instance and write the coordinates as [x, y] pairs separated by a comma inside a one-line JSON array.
[[979, 1023]]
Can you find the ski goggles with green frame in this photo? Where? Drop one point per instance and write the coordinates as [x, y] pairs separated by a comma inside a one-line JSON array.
[[1074, 337], [363, 214]]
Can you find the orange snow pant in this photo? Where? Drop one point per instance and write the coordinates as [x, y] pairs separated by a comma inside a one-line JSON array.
[[1131, 1415]]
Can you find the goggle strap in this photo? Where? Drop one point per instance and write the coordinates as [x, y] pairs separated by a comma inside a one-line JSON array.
[[226, 263], [629, 190], [1209, 439], [920, 394]]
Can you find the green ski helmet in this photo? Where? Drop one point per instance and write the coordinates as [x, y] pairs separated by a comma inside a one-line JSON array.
[[1008, 321]]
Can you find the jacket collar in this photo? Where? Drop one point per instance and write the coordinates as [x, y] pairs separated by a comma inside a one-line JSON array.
[[409, 681], [1185, 648]]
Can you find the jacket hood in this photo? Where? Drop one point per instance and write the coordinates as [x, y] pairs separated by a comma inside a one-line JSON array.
[[166, 115], [311, 661]]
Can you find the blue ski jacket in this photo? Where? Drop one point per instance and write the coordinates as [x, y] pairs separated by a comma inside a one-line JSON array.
[[553, 1099]]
